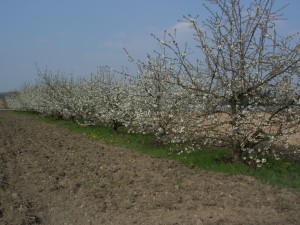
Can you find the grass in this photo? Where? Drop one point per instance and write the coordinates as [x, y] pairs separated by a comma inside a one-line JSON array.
[[279, 173]]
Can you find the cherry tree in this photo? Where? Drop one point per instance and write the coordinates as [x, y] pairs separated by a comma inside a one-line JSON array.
[[25, 99], [159, 102], [60, 94], [246, 76], [114, 105]]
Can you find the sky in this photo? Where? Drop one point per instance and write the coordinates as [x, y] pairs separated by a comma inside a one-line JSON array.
[[77, 36]]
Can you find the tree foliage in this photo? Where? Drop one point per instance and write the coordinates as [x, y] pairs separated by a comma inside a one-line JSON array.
[[240, 88]]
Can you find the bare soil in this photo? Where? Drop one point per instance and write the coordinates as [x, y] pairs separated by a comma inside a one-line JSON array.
[[2, 103], [52, 176]]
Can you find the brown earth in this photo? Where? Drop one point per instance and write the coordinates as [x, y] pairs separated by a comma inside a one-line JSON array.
[[52, 176], [2, 103]]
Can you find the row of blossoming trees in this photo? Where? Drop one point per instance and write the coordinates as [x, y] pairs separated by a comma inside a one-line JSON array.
[[242, 92]]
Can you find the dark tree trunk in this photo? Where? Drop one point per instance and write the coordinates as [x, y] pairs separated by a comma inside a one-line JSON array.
[[116, 124]]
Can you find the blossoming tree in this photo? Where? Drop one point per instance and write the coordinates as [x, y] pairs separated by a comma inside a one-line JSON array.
[[159, 102], [246, 75]]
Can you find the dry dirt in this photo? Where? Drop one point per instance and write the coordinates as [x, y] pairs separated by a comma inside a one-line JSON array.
[[52, 176], [2, 103]]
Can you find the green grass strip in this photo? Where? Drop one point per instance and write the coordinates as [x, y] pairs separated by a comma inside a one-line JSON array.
[[278, 173]]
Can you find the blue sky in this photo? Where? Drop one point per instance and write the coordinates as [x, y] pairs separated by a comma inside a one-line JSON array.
[[76, 36]]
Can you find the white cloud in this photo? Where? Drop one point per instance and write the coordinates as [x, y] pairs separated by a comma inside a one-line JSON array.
[[132, 42], [121, 35], [181, 27], [116, 44], [111, 53], [183, 31]]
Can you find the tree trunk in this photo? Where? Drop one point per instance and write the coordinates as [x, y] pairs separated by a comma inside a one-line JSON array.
[[237, 153], [116, 125], [236, 144]]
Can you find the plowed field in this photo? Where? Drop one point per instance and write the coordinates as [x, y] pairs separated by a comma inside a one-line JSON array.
[[51, 176]]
